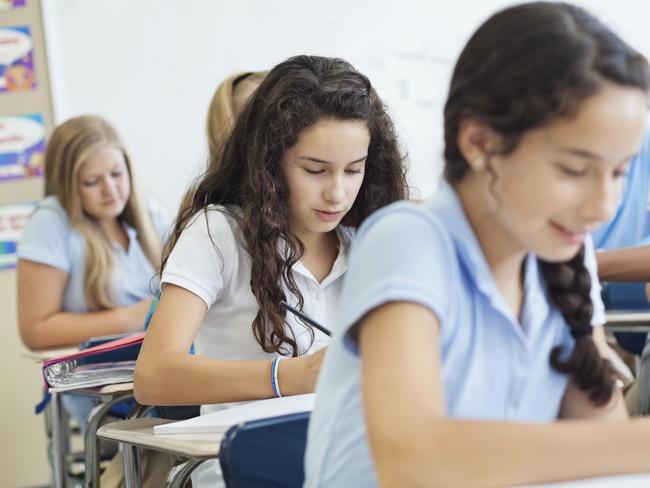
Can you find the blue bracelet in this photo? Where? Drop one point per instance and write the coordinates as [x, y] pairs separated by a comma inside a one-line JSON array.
[[275, 386]]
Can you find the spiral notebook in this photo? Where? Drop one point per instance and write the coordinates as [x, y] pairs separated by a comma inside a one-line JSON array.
[[109, 363]]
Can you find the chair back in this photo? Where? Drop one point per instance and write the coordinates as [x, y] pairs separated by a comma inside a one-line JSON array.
[[265, 453]]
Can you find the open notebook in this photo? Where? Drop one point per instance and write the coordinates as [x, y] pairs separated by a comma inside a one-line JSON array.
[[222, 420]]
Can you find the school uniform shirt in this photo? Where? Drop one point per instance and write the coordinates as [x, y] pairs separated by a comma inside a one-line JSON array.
[[49, 239], [494, 367], [631, 223], [210, 261]]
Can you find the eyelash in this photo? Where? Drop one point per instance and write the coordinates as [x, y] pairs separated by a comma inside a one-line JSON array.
[[320, 171], [114, 174], [619, 173], [570, 172]]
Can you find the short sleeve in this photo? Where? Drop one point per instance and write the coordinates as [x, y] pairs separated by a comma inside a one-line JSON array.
[[401, 254], [202, 255], [46, 238], [598, 317]]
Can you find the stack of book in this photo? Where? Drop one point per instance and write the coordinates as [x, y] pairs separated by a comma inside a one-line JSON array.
[[107, 361]]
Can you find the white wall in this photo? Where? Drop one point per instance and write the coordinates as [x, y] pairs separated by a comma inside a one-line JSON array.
[[151, 66]]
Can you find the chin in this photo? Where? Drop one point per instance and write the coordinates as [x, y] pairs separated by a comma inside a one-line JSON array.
[[559, 254]]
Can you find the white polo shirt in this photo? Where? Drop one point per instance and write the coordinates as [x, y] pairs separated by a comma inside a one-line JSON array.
[[210, 260]]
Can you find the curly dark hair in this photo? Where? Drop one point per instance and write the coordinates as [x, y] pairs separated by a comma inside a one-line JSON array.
[[525, 67], [294, 95]]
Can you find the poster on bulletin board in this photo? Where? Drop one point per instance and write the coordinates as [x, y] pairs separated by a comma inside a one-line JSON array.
[[13, 220], [22, 146], [16, 59], [9, 4]]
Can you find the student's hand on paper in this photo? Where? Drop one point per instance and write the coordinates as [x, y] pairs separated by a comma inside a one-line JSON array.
[[299, 374], [136, 314], [312, 368]]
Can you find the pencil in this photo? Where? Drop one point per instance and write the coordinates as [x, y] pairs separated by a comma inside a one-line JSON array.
[[305, 318]]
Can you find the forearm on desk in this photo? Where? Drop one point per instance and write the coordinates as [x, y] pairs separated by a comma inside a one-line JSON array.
[[624, 264], [446, 452], [174, 378], [68, 328]]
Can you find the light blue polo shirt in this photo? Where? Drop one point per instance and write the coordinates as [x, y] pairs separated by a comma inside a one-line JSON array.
[[493, 366], [49, 239], [631, 223]]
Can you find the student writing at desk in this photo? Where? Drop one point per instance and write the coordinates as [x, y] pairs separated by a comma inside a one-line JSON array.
[[458, 347], [312, 154], [89, 253]]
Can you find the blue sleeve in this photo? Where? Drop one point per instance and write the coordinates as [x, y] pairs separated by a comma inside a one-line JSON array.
[[46, 239], [403, 254]]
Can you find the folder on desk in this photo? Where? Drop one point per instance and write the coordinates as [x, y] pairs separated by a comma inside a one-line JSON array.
[[109, 363]]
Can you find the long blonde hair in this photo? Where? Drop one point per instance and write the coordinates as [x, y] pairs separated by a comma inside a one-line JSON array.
[[227, 102], [71, 144]]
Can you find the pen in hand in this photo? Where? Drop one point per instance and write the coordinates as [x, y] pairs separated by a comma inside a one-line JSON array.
[[305, 318]]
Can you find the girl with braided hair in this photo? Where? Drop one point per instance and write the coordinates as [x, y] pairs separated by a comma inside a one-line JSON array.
[[458, 346]]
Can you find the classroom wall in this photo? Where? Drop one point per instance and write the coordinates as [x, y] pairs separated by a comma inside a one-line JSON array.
[[151, 66]]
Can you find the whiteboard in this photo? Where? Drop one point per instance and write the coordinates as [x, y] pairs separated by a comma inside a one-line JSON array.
[[151, 66]]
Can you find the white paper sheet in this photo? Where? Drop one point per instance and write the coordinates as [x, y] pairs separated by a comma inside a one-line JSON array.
[[222, 420]]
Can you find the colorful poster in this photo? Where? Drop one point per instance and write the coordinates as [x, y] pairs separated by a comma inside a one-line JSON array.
[[13, 220], [9, 4], [16, 59], [22, 146]]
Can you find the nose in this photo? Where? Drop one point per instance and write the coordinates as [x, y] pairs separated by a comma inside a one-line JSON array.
[[335, 190], [602, 202], [108, 186]]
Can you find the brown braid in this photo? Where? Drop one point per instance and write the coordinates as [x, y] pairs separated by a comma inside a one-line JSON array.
[[569, 285]]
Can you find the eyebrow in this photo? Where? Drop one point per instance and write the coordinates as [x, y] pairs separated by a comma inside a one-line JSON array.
[[94, 175], [583, 153], [316, 160]]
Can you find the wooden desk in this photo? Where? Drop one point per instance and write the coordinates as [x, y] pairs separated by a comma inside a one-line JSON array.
[[193, 449]]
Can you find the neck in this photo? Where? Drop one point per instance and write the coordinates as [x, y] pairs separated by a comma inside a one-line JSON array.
[[115, 231], [320, 252], [504, 257]]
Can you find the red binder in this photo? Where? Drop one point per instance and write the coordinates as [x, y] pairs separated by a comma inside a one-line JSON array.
[[108, 363]]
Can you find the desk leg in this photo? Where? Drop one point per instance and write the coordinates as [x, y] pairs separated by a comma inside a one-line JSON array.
[[181, 472], [58, 442], [643, 406], [131, 466], [91, 442]]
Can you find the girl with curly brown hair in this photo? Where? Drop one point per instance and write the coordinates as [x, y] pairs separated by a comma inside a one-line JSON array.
[[312, 154]]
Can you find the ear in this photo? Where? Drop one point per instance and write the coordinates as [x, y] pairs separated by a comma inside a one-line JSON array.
[[476, 142]]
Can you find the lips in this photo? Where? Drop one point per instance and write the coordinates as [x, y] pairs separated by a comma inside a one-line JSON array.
[[328, 215], [568, 235]]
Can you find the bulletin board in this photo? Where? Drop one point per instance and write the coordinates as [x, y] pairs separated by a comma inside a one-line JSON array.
[[26, 120]]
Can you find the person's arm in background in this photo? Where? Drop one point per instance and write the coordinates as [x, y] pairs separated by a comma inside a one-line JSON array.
[[43, 324], [44, 264], [624, 264]]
